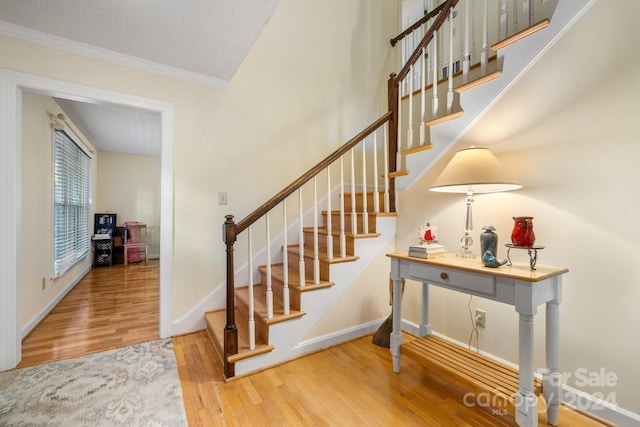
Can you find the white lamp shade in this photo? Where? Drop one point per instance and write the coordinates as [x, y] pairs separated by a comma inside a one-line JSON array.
[[473, 169]]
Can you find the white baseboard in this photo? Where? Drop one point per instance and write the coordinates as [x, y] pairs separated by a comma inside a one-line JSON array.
[[42, 314], [338, 337], [194, 320], [580, 400]]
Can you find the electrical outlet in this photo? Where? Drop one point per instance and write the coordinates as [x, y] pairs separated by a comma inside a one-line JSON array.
[[44, 283], [481, 318]]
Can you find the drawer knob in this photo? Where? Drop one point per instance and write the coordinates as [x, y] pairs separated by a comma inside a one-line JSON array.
[[444, 276]]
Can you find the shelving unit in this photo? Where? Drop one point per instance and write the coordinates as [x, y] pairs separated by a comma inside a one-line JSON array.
[[135, 244], [102, 241]]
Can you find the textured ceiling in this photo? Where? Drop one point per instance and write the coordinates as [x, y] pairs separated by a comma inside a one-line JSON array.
[[198, 40], [206, 37]]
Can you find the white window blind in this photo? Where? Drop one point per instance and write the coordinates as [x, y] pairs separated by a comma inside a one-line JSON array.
[[71, 189]]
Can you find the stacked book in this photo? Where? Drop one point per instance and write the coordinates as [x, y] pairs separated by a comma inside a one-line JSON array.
[[431, 250]]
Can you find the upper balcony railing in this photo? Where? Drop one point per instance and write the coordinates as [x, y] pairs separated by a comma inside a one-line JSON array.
[[465, 37], [437, 64]]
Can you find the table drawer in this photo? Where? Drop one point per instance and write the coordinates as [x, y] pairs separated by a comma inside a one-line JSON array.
[[455, 279]]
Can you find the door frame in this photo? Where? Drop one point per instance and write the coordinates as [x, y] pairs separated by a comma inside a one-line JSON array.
[[12, 84]]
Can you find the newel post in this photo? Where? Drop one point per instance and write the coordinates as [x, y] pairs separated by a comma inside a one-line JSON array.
[[230, 329], [393, 102]]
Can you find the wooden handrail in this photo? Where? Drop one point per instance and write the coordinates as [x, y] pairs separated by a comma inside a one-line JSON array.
[[417, 24], [288, 190], [443, 13]]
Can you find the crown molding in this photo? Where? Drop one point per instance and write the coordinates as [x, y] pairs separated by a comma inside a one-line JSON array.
[[56, 42]]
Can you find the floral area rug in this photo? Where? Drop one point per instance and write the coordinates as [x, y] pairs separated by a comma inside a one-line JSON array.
[[132, 386]]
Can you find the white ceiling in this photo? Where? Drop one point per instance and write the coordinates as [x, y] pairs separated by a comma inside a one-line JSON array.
[[197, 40], [116, 128]]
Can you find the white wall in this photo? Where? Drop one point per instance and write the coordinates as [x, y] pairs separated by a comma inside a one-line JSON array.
[[129, 186], [568, 132]]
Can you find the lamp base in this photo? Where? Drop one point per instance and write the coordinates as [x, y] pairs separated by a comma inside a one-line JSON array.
[[465, 254], [465, 242]]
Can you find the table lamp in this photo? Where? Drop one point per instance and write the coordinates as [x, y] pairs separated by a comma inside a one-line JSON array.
[[472, 170]]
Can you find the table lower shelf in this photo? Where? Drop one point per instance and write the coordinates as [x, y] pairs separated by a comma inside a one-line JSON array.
[[492, 382]]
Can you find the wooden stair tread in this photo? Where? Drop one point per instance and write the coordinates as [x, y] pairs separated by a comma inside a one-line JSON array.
[[216, 321], [260, 306], [479, 81], [398, 173], [417, 149], [445, 118], [485, 374], [277, 272], [336, 233], [308, 252], [521, 34], [346, 213]]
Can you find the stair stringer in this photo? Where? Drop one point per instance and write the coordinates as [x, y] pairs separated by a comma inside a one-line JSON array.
[[287, 337], [514, 60]]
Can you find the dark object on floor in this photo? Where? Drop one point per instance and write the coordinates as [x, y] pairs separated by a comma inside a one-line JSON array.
[[382, 337]]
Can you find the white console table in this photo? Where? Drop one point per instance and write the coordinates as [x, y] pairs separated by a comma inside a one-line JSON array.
[[517, 285]]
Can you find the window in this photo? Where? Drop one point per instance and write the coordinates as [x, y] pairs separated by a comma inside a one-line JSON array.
[[71, 188]]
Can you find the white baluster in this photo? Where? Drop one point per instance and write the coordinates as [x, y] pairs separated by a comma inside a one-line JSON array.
[[365, 214], [285, 261], [529, 10], [376, 190], [399, 131], [484, 54], [516, 11], [435, 74], [386, 167], [410, 114], [252, 323], [354, 215], [316, 260], [423, 98], [405, 49], [329, 225], [301, 266], [502, 20], [450, 76], [269, 290], [343, 236], [474, 45], [466, 63], [429, 60]]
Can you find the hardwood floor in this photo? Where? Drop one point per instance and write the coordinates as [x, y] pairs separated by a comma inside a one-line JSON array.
[[109, 308], [349, 384]]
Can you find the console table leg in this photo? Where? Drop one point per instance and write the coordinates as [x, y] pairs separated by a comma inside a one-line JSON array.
[[526, 401], [396, 338], [425, 327], [551, 379]]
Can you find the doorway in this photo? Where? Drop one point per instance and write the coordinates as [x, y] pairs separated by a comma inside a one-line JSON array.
[[12, 84]]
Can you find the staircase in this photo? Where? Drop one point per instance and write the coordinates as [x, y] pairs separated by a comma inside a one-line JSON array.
[[267, 319], [305, 298]]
